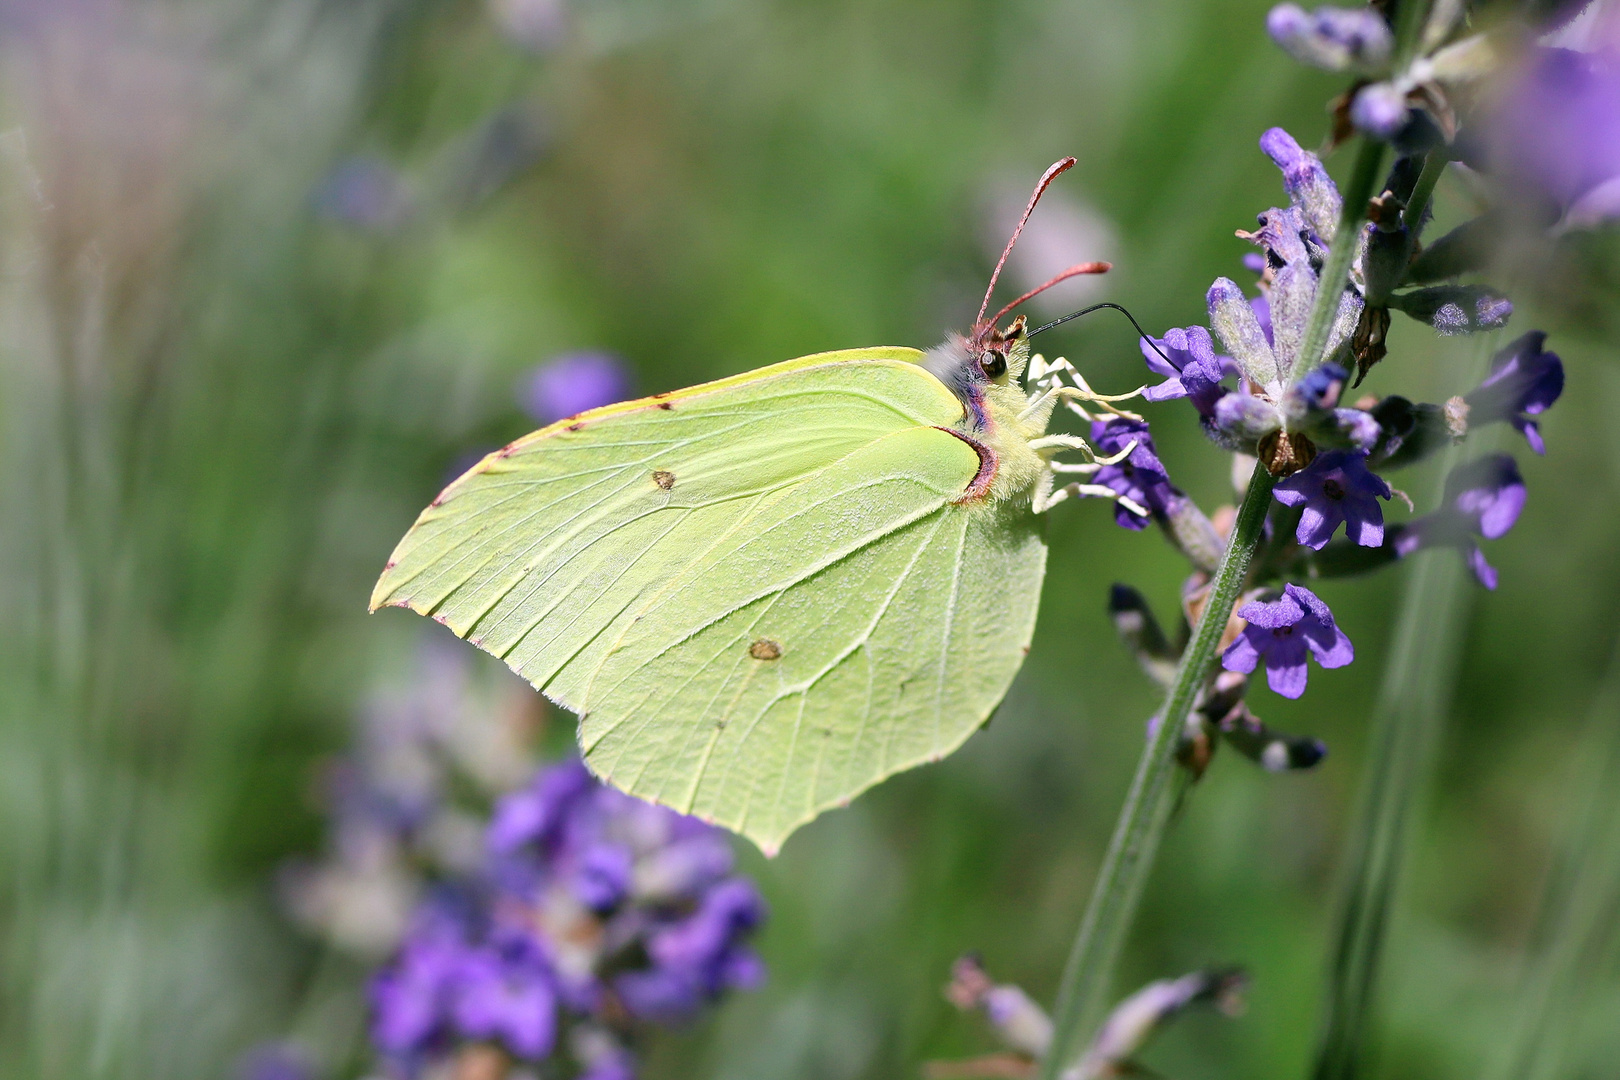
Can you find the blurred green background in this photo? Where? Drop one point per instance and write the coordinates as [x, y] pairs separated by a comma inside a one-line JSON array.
[[272, 269]]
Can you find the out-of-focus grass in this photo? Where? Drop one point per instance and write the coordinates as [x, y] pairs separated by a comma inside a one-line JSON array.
[[222, 405]]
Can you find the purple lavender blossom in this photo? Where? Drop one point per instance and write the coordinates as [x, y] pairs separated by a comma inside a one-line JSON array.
[[1524, 382], [1140, 477], [592, 906], [1482, 498], [1282, 633], [1193, 370], [1307, 182], [572, 383], [1332, 38], [1555, 133], [1336, 487]]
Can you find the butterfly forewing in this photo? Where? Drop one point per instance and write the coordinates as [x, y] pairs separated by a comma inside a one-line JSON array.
[[761, 593]]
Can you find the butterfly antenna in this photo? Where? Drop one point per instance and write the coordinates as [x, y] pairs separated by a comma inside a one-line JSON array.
[[1073, 271], [1098, 307], [1058, 167]]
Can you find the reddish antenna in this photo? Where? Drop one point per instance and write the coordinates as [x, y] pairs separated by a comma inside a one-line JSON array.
[[1058, 168], [1073, 271]]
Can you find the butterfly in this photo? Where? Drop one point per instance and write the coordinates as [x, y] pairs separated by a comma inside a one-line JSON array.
[[765, 594]]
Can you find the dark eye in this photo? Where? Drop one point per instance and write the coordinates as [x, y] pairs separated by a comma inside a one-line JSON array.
[[994, 364]]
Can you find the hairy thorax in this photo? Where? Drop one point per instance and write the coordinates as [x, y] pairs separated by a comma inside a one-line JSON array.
[[996, 415]]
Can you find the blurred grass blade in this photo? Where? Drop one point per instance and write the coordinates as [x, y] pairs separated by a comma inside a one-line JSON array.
[[1578, 911]]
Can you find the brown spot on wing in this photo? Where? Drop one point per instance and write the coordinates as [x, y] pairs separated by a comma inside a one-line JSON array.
[[663, 479], [665, 405], [765, 649], [980, 483]]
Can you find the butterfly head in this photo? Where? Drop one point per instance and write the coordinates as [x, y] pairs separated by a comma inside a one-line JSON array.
[[990, 357]]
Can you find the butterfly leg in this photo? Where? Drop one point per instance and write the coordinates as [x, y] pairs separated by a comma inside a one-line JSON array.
[[1045, 496]]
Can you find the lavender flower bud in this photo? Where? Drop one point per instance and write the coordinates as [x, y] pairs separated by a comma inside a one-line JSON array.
[[1246, 419], [1308, 184], [1380, 110], [1139, 1016], [1272, 750], [1134, 622], [1335, 39], [1383, 263], [1018, 1020], [1465, 249], [1455, 309], [1407, 432], [1235, 324], [1291, 296]]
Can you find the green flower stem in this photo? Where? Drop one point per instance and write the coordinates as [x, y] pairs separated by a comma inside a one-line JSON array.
[[1336, 271], [1433, 165], [1083, 995]]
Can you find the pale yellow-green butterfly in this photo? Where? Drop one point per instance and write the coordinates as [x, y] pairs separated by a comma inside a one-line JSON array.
[[765, 594]]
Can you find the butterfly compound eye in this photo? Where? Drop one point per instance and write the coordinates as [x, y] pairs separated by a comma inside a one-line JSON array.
[[994, 363]]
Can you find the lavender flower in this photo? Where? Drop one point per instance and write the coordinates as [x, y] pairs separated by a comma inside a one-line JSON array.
[[571, 384], [1193, 370], [1336, 487], [1140, 477], [1335, 39], [1555, 134], [594, 911], [1524, 382], [1282, 633], [1483, 498], [1305, 179]]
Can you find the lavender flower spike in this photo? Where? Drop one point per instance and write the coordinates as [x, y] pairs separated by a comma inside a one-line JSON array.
[[1336, 39], [1308, 184], [1283, 632], [1483, 498], [1337, 487], [1524, 382], [1193, 370]]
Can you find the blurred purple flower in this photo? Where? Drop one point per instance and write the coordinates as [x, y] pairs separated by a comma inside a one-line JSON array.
[[1332, 38], [1524, 382], [591, 905], [571, 384], [1140, 477], [364, 192], [1555, 132], [1282, 633], [275, 1061], [1336, 487], [1482, 498], [537, 25]]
